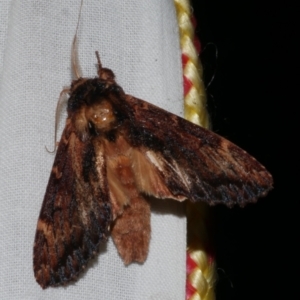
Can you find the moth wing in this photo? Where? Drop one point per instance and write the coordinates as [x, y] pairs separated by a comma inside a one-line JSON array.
[[75, 214], [190, 162]]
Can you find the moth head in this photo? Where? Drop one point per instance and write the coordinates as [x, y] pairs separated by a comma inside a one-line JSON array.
[[94, 119], [97, 106]]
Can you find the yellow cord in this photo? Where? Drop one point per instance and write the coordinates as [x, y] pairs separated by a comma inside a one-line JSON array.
[[202, 276], [195, 100]]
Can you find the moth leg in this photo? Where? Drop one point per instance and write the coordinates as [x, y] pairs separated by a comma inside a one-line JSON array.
[[131, 231]]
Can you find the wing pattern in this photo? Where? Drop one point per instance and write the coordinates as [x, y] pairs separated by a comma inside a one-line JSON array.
[[75, 214], [195, 163]]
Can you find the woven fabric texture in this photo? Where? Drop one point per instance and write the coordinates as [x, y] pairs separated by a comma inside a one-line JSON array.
[[138, 40]]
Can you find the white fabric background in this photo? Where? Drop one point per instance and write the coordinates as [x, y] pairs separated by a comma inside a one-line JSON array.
[[138, 40]]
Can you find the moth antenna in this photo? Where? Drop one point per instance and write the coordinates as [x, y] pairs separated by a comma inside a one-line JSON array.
[[74, 57], [99, 63], [58, 105]]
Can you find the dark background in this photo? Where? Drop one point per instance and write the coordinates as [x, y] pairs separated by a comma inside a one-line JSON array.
[[252, 103]]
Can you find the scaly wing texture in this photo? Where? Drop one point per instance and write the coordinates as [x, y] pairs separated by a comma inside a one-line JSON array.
[[190, 162], [75, 214]]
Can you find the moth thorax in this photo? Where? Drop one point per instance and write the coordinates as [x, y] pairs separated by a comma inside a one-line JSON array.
[[100, 115]]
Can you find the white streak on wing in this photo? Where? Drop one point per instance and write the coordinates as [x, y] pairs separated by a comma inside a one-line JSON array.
[[153, 158], [160, 163], [180, 172]]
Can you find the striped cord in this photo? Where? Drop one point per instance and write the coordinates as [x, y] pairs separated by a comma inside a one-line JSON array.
[[201, 274]]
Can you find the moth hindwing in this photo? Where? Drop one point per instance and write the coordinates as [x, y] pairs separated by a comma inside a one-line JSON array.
[[116, 150]]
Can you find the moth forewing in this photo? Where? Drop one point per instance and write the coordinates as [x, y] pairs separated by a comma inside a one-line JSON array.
[[115, 150]]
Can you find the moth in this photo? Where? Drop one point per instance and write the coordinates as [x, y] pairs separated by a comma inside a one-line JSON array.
[[115, 151]]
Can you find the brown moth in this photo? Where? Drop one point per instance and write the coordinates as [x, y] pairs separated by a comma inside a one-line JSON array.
[[115, 151]]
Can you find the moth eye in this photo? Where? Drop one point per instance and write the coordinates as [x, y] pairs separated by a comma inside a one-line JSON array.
[[101, 115]]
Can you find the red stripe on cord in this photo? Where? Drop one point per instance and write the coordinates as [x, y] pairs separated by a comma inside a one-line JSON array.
[[190, 290], [190, 264], [187, 84], [184, 59]]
